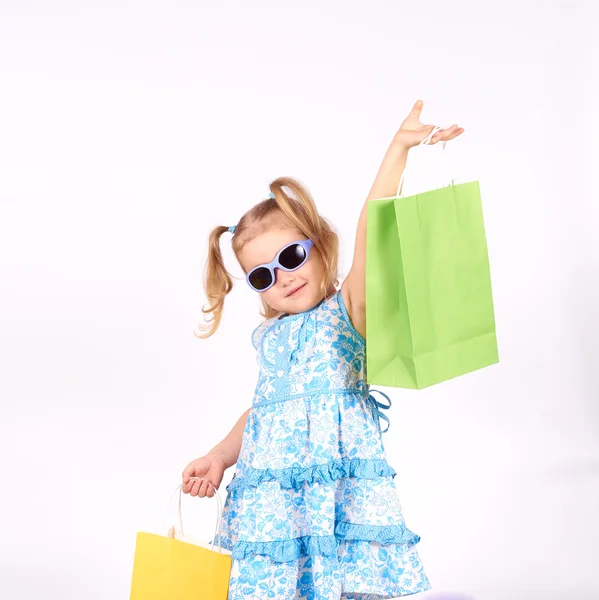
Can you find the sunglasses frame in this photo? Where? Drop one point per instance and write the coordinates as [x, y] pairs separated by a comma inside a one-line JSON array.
[[275, 264]]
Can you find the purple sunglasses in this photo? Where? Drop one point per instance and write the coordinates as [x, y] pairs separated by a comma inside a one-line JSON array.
[[288, 258]]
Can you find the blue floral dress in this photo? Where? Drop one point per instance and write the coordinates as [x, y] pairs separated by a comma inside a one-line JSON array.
[[312, 511]]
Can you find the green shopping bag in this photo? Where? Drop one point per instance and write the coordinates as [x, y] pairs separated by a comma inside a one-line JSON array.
[[429, 306]]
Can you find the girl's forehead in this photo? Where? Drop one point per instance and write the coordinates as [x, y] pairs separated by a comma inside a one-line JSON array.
[[264, 247]]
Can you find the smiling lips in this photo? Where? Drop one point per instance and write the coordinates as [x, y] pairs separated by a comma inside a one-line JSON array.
[[296, 290]]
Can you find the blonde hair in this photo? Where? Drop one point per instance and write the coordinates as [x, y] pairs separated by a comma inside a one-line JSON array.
[[292, 207]]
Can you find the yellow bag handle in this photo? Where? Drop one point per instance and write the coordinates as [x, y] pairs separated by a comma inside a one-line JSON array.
[[177, 530]]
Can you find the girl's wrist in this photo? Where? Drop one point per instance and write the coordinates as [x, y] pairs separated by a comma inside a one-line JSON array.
[[399, 146], [219, 455]]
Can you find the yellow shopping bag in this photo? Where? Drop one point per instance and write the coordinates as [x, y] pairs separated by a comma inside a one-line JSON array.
[[170, 568]]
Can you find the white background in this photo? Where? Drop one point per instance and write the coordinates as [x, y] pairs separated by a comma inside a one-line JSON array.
[[129, 129]]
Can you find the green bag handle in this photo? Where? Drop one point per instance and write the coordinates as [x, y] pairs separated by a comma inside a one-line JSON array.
[[425, 142]]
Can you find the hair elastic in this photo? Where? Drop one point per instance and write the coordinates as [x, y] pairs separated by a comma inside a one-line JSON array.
[[271, 196]]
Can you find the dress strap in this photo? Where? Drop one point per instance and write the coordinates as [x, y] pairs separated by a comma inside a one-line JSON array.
[[377, 406]]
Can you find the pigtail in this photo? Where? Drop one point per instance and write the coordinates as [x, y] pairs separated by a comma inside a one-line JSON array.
[[217, 283]]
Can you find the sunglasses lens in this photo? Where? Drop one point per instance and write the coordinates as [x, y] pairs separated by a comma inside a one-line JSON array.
[[292, 257], [260, 278]]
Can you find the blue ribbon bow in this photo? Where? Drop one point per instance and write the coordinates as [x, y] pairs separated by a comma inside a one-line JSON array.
[[376, 409]]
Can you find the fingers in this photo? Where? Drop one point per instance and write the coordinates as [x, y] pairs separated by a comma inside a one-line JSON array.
[[189, 481], [196, 484], [444, 135], [455, 134], [187, 472], [196, 468], [206, 489], [199, 487], [416, 110], [210, 491], [202, 477]]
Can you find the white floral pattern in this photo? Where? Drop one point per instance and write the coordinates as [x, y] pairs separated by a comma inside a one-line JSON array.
[[312, 511]]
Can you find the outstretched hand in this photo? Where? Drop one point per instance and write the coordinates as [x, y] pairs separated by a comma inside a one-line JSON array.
[[412, 131]]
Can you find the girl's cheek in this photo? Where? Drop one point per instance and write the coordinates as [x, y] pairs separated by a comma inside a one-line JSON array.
[[270, 296], [306, 271]]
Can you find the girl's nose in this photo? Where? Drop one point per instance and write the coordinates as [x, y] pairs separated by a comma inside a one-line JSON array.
[[284, 277]]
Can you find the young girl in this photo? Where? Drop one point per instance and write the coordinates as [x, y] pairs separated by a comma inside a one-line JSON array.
[[312, 511]]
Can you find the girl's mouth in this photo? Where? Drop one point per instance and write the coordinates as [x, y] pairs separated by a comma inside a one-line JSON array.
[[296, 291]]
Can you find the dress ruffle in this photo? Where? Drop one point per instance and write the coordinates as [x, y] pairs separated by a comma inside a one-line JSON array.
[[383, 534], [296, 477], [288, 550], [293, 549], [313, 518]]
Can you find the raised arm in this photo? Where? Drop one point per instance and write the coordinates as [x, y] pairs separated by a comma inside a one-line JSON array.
[[410, 134]]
